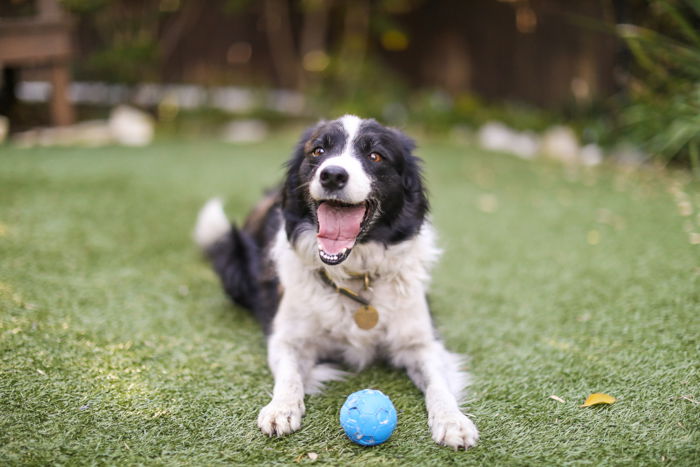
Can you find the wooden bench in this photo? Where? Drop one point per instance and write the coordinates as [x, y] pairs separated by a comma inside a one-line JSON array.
[[42, 40]]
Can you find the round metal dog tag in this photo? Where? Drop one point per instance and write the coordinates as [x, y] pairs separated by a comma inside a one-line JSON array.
[[366, 317]]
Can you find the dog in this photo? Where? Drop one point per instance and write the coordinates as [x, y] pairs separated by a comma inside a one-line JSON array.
[[335, 266]]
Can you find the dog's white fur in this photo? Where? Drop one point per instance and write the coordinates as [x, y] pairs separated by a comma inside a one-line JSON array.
[[212, 224], [314, 322]]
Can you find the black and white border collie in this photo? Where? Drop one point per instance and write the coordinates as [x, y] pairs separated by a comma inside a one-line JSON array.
[[351, 216]]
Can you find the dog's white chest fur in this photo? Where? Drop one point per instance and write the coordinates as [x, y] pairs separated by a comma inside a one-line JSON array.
[[314, 310], [314, 322]]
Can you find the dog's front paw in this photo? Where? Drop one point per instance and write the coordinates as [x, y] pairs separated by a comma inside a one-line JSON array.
[[281, 417], [453, 429]]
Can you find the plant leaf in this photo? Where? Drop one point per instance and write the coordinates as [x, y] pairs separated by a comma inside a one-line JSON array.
[[598, 398]]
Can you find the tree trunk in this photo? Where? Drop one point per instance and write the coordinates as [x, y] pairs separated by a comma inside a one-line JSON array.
[[280, 39]]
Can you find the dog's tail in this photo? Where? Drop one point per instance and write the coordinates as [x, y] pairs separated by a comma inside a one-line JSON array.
[[232, 252]]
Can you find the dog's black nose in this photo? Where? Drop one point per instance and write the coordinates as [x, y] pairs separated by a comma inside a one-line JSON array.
[[334, 177]]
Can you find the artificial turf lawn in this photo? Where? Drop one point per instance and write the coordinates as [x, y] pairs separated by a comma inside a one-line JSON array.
[[118, 346]]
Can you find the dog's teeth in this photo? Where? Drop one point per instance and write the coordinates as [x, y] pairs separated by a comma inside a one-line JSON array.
[[332, 257]]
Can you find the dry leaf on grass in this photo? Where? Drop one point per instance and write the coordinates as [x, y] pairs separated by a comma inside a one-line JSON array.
[[598, 398], [689, 398], [557, 398]]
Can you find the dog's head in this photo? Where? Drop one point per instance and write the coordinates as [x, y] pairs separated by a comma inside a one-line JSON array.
[[354, 181]]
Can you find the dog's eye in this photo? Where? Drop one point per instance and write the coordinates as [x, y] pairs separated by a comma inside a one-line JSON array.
[[317, 152], [375, 157]]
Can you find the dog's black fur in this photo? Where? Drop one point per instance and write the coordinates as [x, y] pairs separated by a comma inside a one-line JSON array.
[[242, 259]]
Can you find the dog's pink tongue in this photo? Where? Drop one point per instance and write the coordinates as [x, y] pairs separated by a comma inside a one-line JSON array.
[[338, 227]]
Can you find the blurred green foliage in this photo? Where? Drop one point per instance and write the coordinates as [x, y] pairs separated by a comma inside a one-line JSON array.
[[125, 35], [659, 108], [664, 109], [384, 95], [126, 48]]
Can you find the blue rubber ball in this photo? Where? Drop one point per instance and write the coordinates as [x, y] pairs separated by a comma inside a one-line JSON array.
[[368, 417]]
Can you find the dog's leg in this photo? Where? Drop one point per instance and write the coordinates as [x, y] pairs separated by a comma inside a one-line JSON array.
[[435, 371], [288, 364]]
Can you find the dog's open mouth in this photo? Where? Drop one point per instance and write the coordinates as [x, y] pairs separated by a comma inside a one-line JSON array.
[[339, 226]]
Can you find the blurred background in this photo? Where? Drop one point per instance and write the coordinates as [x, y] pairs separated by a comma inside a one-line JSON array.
[[583, 81]]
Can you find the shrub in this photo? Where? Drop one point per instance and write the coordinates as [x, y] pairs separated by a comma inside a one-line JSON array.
[[664, 109]]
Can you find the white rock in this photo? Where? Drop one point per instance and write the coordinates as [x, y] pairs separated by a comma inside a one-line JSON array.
[[39, 137], [525, 145], [4, 128], [560, 143], [495, 136], [25, 139], [288, 102], [233, 99], [591, 155], [130, 126], [56, 136], [93, 133], [244, 131], [627, 154]]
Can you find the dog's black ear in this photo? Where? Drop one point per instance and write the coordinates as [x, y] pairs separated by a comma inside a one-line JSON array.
[[412, 177], [290, 191], [294, 204], [408, 205], [407, 144]]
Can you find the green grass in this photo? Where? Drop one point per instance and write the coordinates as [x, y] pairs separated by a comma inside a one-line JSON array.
[[117, 345]]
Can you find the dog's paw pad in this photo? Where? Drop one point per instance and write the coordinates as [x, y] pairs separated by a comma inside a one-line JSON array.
[[281, 418], [454, 430]]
